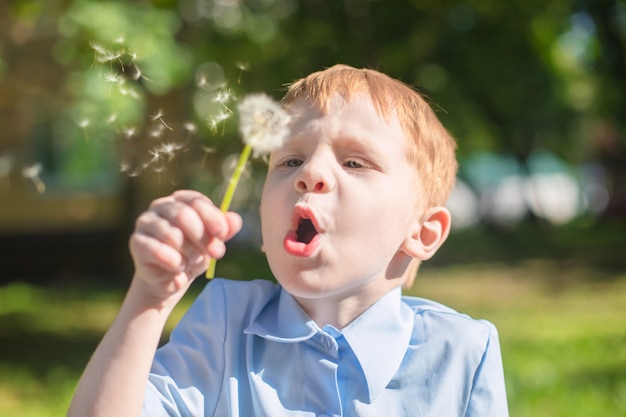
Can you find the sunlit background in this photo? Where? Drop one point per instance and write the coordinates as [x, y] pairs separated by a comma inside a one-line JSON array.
[[106, 105]]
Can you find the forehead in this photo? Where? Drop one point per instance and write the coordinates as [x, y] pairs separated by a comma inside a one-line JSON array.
[[357, 112]]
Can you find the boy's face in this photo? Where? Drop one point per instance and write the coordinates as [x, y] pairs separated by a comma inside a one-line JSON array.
[[339, 201]]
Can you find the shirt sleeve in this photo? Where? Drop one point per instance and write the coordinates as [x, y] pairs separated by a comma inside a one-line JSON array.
[[488, 394], [187, 372]]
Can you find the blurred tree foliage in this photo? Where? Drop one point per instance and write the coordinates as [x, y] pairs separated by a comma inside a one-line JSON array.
[[509, 77]]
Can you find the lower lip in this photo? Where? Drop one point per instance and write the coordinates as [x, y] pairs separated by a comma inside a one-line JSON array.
[[303, 250]]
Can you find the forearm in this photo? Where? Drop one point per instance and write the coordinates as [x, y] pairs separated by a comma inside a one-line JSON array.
[[114, 382]]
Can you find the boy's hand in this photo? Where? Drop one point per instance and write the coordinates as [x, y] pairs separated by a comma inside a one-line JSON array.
[[174, 240]]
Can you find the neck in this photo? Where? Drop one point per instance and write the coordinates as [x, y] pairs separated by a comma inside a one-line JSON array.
[[339, 311]]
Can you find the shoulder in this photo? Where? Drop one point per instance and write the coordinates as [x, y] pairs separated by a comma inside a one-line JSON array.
[[434, 320]]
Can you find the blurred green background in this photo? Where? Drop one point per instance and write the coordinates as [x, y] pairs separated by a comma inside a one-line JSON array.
[[106, 105]]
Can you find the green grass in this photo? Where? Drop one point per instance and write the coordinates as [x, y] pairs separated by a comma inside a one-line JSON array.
[[562, 329]]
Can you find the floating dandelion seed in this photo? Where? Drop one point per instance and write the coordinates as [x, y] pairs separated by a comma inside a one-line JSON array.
[[190, 127], [156, 132], [124, 166], [223, 97], [243, 66], [263, 125], [113, 78], [215, 120], [32, 173], [159, 116], [129, 132], [155, 156], [84, 124], [169, 149]]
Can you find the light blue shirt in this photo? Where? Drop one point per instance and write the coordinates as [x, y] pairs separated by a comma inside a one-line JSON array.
[[248, 349]]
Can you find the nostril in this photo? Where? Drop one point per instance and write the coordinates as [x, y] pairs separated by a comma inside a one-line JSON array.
[[301, 186], [319, 186]]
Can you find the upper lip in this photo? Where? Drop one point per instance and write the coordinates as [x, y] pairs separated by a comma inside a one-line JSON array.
[[301, 212]]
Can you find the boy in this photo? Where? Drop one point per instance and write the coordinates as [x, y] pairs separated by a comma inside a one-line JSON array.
[[353, 200]]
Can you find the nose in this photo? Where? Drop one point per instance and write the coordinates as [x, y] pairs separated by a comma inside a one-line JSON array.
[[314, 176]]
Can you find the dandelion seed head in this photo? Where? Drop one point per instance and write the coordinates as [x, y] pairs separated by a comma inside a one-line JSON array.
[[263, 123]]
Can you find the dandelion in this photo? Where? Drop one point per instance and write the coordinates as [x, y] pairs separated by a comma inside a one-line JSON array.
[[263, 125], [32, 172]]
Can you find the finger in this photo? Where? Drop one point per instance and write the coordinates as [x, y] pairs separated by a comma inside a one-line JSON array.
[[213, 218], [235, 223], [147, 250], [159, 228], [151, 223], [184, 218]]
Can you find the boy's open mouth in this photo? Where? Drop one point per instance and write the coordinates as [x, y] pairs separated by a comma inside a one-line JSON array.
[[306, 231]]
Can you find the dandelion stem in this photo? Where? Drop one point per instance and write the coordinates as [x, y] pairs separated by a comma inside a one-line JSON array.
[[228, 195]]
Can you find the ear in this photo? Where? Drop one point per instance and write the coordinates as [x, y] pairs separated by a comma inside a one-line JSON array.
[[428, 234]]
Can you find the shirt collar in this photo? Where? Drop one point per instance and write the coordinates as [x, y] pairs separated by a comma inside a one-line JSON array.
[[283, 320], [379, 337]]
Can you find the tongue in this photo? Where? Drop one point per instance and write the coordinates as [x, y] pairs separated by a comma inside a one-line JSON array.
[[306, 231]]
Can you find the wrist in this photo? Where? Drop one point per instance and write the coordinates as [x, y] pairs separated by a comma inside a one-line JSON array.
[[145, 297]]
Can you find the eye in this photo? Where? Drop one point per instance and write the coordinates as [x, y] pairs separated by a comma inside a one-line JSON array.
[[292, 163], [353, 164]]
